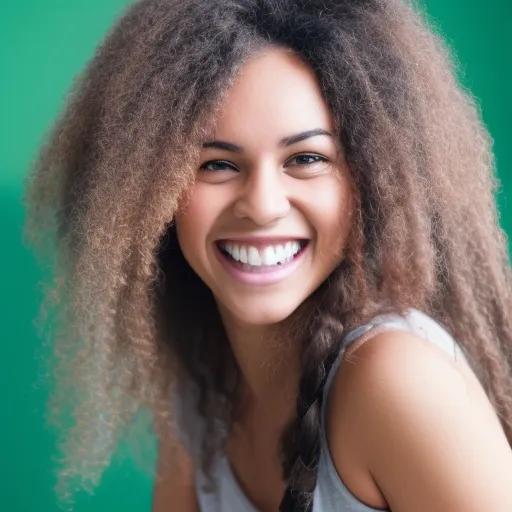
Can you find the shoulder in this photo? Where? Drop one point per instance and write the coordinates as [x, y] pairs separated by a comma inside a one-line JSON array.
[[416, 422]]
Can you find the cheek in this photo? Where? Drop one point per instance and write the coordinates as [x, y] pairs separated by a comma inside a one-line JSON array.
[[196, 221], [192, 226], [333, 213]]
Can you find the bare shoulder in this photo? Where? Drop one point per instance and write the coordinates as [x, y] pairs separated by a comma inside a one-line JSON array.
[[420, 426]]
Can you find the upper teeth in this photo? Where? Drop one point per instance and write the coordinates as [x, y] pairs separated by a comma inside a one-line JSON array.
[[270, 255]]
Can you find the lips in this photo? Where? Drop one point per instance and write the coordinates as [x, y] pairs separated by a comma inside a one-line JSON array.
[[268, 262]]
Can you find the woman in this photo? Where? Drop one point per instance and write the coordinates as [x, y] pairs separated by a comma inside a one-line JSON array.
[[277, 232]]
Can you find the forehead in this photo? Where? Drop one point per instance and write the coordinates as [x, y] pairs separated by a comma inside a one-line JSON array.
[[275, 94]]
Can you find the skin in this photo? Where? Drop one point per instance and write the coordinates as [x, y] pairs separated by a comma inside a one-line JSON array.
[[268, 189], [412, 429], [408, 427]]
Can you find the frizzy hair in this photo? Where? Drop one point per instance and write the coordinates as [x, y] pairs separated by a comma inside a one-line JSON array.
[[124, 151]]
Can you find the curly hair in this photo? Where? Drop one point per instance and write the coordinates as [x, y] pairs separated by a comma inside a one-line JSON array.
[[103, 193]]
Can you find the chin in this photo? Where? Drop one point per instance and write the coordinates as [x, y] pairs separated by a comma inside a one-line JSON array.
[[268, 313]]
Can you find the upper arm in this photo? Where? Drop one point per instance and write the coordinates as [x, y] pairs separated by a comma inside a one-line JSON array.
[[426, 432], [173, 490]]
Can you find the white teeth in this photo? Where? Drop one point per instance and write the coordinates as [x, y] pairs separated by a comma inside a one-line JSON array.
[[254, 257], [268, 256], [243, 254], [236, 252], [280, 253]]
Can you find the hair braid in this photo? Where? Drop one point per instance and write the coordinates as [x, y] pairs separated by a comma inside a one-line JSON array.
[[301, 441]]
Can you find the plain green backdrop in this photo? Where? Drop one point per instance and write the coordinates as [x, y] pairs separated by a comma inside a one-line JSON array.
[[43, 45]]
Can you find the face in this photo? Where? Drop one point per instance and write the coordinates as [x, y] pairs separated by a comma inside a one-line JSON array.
[[269, 214]]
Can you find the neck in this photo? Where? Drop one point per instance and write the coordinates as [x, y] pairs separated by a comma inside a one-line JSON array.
[[270, 366]]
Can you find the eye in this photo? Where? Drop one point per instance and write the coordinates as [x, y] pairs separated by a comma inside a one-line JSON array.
[[305, 159], [307, 165], [216, 166]]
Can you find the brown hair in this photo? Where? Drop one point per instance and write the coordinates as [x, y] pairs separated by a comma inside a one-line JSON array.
[[123, 152]]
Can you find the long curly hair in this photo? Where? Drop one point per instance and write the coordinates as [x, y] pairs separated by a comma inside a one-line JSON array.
[[122, 302]]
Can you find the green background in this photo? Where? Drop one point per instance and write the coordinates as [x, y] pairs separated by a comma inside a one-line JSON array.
[[43, 45]]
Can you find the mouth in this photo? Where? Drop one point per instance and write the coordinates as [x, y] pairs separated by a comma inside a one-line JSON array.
[[253, 257], [261, 263]]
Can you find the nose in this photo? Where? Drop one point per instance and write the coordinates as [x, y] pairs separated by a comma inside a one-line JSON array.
[[263, 198]]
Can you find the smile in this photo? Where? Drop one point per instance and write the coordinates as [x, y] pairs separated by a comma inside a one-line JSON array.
[[268, 256], [260, 263]]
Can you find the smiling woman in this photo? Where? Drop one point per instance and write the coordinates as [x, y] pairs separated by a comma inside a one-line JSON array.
[[268, 236], [265, 228]]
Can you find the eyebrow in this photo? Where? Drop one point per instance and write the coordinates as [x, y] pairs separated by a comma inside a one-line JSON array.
[[284, 142]]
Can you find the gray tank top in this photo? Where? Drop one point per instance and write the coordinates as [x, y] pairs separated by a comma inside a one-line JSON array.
[[331, 494]]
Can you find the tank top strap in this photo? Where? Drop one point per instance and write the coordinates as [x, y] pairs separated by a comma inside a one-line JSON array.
[[390, 320], [414, 321]]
